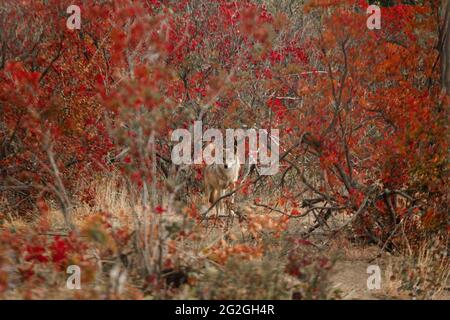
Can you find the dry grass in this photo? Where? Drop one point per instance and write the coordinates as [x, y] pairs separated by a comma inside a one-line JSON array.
[[422, 276]]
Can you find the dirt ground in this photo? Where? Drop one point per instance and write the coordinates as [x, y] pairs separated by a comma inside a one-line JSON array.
[[351, 278], [350, 272]]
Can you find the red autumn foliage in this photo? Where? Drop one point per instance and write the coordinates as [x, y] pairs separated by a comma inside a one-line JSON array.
[[362, 118]]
